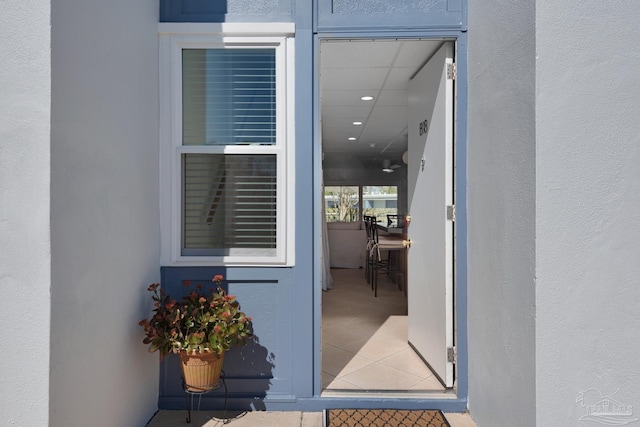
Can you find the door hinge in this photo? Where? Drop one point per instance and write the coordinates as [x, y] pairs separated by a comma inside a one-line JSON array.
[[452, 71], [451, 212], [452, 355]]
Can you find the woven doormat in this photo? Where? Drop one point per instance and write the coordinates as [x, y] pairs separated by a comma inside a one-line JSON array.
[[384, 418]]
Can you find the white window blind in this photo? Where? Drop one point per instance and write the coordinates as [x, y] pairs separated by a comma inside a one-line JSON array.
[[229, 200], [229, 96], [229, 204]]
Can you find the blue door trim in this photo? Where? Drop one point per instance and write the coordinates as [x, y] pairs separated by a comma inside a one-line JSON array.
[[459, 402]]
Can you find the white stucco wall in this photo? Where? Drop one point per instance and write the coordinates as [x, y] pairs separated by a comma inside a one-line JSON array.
[[104, 219], [501, 209], [586, 146], [25, 256], [588, 199]]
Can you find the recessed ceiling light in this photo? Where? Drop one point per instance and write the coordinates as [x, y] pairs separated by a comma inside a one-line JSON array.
[[352, 138], [357, 123], [366, 98]]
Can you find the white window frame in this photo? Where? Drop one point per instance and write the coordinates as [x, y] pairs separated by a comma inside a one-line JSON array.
[[174, 37]]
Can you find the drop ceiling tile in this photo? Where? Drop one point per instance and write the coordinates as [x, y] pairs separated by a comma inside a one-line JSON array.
[[395, 113], [348, 97], [353, 78], [345, 115], [361, 53], [415, 53], [399, 78], [395, 97]]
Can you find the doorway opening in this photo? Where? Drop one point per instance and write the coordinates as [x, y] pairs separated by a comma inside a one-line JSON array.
[[387, 124]]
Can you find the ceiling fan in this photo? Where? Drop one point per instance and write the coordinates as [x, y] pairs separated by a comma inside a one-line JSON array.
[[388, 167]]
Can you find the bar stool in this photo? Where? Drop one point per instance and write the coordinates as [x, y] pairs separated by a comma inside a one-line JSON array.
[[378, 265], [395, 220], [368, 247]]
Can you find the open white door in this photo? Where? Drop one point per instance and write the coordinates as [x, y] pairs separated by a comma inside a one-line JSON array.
[[430, 197]]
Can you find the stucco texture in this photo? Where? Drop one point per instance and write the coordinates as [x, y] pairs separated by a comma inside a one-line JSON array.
[[553, 280], [501, 214], [105, 230], [25, 257], [588, 197]]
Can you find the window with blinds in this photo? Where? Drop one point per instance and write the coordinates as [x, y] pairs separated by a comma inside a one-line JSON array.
[[227, 147], [229, 98]]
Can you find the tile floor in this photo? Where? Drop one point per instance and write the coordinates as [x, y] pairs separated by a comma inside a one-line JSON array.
[[364, 339]]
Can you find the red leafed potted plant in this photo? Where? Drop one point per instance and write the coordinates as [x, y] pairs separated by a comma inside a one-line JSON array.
[[200, 328]]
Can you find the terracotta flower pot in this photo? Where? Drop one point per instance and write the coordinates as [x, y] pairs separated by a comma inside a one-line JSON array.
[[201, 371]]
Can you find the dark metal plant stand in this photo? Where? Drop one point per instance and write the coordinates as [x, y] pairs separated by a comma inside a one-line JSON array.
[[190, 396]]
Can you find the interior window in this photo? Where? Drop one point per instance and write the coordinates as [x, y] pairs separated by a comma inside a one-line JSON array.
[[342, 203], [345, 203], [380, 201]]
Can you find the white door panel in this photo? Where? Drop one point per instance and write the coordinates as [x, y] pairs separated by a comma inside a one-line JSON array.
[[430, 184]]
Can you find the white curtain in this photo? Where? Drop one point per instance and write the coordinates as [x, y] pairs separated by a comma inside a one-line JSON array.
[[327, 280]]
